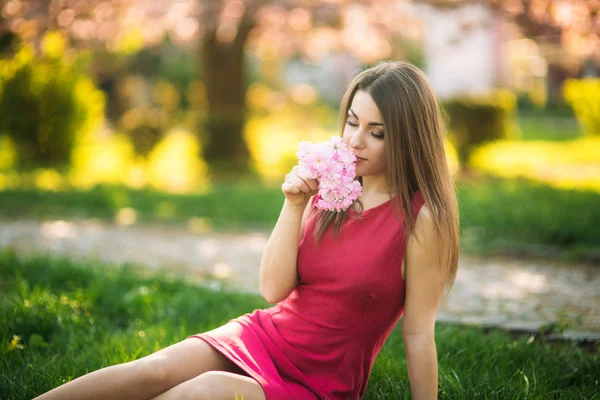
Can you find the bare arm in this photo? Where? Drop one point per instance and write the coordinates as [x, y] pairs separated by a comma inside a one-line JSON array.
[[278, 269], [425, 280]]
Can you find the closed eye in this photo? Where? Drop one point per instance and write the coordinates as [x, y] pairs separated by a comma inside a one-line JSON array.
[[372, 133]]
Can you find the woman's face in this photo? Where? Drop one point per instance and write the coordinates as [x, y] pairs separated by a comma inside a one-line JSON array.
[[363, 133]]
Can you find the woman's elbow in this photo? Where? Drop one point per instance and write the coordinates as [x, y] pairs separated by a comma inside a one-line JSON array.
[[274, 295], [268, 296]]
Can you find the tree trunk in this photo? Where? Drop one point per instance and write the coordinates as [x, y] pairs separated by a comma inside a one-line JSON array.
[[224, 147]]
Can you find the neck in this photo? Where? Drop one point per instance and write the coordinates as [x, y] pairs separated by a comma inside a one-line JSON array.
[[374, 186]]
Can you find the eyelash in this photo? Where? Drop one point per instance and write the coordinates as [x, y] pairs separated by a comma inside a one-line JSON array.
[[374, 135]]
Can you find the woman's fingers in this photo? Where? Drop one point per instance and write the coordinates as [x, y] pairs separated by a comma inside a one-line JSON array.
[[311, 184], [299, 183], [298, 187], [289, 188]]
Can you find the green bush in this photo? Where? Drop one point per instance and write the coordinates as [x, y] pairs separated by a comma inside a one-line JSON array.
[[550, 108], [46, 103], [475, 119], [584, 96]]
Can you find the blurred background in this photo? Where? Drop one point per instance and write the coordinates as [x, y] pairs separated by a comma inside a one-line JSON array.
[[135, 110], [157, 134]]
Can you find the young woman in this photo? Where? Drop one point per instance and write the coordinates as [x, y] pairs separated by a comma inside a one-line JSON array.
[[339, 282]]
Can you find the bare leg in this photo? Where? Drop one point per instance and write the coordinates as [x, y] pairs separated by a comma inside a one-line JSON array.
[[216, 385], [147, 377], [117, 381]]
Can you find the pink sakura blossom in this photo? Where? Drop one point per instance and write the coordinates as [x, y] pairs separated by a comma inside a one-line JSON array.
[[332, 164]]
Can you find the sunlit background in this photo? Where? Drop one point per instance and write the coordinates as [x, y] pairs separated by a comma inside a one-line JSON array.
[[157, 134], [174, 95]]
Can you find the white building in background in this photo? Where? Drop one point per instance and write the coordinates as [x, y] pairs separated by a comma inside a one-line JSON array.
[[467, 49], [470, 49], [463, 48]]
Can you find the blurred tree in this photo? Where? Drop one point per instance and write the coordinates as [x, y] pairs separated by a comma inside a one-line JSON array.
[[274, 30]]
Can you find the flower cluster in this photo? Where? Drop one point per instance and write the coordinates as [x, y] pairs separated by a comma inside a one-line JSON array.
[[332, 164]]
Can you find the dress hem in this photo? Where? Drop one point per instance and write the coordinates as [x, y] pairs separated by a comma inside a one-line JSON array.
[[233, 358]]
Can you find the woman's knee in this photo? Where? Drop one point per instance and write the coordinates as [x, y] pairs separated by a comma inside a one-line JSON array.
[[209, 385]]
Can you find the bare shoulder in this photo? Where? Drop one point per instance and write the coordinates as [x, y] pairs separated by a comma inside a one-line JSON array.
[[425, 223], [425, 213], [425, 278]]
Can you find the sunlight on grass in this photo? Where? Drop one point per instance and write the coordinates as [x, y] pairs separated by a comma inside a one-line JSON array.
[[584, 96], [174, 165], [106, 160], [573, 164], [198, 225], [9, 178], [8, 153], [40, 178], [48, 179], [165, 209], [451, 157]]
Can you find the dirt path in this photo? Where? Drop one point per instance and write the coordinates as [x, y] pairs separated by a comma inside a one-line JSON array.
[[497, 291]]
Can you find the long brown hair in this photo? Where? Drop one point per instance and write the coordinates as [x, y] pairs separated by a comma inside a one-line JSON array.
[[414, 152]]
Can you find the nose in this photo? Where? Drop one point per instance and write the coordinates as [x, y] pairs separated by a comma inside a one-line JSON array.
[[355, 141]]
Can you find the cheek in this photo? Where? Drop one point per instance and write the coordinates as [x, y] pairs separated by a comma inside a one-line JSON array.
[[346, 136], [381, 155]]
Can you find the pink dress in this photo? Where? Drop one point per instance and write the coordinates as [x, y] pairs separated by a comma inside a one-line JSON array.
[[322, 340]]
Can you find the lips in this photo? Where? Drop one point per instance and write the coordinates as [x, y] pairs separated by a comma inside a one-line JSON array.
[[359, 158]]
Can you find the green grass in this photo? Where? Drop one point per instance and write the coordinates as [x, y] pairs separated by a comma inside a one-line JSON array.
[[546, 127], [73, 319], [497, 217], [229, 206], [524, 218]]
